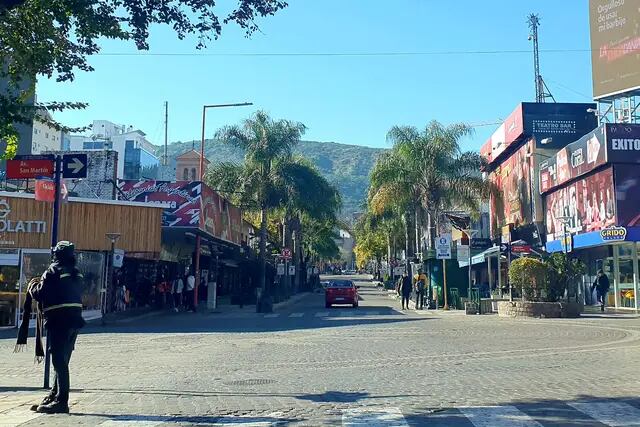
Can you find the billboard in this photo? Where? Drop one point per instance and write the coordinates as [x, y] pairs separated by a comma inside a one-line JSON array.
[[623, 143], [512, 203], [609, 143], [615, 46], [627, 195], [556, 123], [188, 204], [587, 204]]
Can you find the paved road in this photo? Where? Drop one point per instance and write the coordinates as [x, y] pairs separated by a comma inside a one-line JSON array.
[[370, 366]]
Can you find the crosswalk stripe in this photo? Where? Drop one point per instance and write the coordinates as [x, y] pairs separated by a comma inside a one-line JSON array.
[[373, 417], [17, 416], [498, 416], [134, 421], [322, 314], [611, 413], [296, 315], [271, 315], [372, 313]]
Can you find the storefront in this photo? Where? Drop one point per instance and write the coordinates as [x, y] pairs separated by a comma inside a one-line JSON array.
[[199, 229], [25, 238], [592, 203]]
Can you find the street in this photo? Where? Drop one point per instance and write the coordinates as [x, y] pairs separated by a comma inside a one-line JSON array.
[[371, 366]]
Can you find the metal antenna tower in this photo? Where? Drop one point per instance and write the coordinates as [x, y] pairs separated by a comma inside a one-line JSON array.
[[542, 91]]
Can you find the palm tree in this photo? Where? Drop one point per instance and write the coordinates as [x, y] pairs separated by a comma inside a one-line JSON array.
[[447, 177], [257, 183], [274, 181], [427, 172], [306, 194]]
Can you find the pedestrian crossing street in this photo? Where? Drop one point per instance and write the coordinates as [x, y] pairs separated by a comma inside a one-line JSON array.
[[612, 413]]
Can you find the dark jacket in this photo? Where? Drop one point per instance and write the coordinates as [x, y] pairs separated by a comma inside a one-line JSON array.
[[407, 285], [602, 284], [60, 296]]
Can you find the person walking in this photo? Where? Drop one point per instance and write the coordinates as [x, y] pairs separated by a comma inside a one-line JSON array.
[[405, 290], [420, 283], [602, 285], [59, 294], [177, 293], [191, 285]]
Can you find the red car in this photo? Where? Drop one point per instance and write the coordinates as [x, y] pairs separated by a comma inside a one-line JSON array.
[[341, 292]]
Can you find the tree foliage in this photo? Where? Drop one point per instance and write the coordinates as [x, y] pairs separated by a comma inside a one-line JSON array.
[[56, 37], [530, 275]]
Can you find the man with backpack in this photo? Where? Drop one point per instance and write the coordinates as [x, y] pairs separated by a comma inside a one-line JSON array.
[[420, 283]]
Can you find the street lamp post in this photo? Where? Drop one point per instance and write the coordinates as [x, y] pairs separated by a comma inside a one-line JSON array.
[[470, 234], [201, 175], [113, 238]]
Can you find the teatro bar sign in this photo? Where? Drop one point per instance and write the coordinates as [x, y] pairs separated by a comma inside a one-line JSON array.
[[10, 226]]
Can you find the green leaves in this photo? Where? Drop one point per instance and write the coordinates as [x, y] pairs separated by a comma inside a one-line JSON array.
[[54, 38]]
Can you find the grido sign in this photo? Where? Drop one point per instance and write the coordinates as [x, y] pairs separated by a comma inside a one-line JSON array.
[[8, 225], [613, 234]]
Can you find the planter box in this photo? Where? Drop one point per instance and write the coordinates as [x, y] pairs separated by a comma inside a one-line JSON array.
[[539, 309]]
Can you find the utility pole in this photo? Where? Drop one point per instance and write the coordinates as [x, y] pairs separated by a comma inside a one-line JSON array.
[[542, 91], [165, 158]]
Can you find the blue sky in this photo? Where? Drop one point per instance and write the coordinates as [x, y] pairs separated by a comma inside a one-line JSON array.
[[347, 99]]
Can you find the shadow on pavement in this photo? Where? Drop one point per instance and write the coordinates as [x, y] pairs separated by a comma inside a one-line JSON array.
[[584, 411], [196, 323], [335, 396], [19, 388], [212, 419]]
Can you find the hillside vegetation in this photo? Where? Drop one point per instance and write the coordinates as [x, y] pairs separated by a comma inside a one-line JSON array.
[[346, 166]]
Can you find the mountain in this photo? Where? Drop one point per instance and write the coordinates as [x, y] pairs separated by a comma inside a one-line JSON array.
[[346, 166]]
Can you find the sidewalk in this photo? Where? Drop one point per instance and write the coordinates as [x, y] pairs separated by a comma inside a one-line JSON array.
[[235, 309], [412, 306]]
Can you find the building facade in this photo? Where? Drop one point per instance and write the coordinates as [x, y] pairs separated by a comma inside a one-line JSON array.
[[45, 137], [591, 191], [136, 154]]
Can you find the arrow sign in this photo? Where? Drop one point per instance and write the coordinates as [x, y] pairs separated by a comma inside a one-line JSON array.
[[74, 166]]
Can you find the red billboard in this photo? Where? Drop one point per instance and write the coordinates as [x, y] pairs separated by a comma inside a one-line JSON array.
[[512, 203], [188, 204], [584, 205]]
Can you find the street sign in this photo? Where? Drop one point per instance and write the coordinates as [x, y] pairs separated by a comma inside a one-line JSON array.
[[443, 246], [45, 190], [30, 167], [397, 271], [520, 249], [280, 269], [286, 253], [504, 248], [481, 243], [74, 166], [463, 252], [292, 270]]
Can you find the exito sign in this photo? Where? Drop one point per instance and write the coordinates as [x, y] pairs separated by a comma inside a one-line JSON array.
[[10, 226], [613, 234]]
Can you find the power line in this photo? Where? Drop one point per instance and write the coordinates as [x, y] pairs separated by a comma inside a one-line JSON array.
[[344, 54]]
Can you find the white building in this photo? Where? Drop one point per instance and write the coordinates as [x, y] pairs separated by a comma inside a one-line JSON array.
[[136, 154], [45, 137]]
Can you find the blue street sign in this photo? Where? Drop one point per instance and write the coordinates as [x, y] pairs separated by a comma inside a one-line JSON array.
[[74, 166]]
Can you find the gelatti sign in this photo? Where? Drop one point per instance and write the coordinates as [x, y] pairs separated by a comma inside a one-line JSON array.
[[8, 225]]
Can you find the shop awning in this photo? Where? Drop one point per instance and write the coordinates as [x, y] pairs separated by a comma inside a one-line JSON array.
[[481, 257]]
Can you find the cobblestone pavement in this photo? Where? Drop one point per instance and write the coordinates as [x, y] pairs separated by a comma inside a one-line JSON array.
[[307, 365]]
